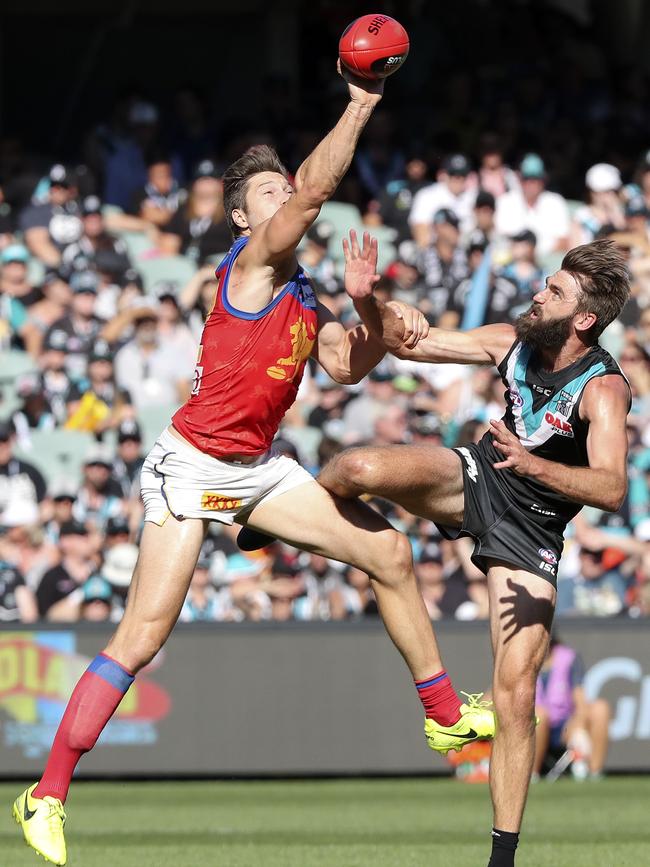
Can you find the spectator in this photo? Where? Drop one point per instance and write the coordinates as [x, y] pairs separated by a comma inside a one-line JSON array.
[[96, 603], [316, 260], [117, 532], [61, 497], [59, 595], [76, 332], [198, 229], [534, 208], [161, 196], [49, 227], [19, 481], [361, 413], [604, 208], [396, 199], [145, 368], [93, 241], [125, 170], [444, 266], [523, 270], [15, 327], [100, 496], [35, 413], [452, 192], [54, 377], [196, 298], [494, 176], [484, 213], [117, 570], [599, 590], [56, 298], [129, 459], [565, 717], [175, 336], [17, 601], [96, 404], [490, 294]]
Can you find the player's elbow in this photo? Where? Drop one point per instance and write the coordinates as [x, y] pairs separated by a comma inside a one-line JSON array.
[[313, 194], [345, 376], [615, 497]]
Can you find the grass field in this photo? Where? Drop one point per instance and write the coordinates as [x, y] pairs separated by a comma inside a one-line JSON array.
[[354, 823]]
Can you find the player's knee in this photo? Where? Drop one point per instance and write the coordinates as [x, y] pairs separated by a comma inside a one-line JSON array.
[[394, 559], [514, 700], [356, 468]]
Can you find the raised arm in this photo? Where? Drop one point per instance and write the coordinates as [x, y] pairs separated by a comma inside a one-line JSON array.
[[275, 240], [486, 345]]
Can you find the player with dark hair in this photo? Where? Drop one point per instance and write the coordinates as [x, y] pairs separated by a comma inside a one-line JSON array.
[[560, 445], [215, 462]]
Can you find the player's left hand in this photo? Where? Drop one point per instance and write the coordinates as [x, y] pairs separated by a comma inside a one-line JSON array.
[[416, 326], [516, 456], [360, 274]]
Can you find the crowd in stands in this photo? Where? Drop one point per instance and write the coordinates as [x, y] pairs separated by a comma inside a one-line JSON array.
[[106, 275]]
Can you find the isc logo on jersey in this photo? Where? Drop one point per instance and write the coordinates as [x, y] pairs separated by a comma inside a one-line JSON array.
[[561, 427]]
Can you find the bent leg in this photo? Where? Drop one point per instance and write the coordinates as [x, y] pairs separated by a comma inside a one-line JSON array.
[[309, 517], [521, 613], [166, 562], [426, 480]]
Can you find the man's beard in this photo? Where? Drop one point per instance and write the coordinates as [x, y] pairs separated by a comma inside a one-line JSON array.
[[540, 335]]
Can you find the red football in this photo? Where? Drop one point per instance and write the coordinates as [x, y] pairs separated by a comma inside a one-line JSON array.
[[374, 46]]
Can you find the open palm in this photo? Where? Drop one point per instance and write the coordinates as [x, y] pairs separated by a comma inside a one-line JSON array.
[[360, 265]]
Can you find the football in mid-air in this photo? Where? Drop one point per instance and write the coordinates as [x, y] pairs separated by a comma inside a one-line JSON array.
[[374, 46]]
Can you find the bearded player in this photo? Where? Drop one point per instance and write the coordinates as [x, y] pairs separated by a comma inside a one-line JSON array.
[[215, 462], [561, 445]]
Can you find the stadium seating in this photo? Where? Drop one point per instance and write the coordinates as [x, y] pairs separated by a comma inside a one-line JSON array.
[[153, 420], [176, 269], [58, 453], [13, 365]]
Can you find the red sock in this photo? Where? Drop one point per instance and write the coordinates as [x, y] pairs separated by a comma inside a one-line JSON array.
[[93, 702], [439, 698]]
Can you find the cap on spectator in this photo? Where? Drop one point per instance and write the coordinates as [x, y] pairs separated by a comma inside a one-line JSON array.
[[119, 564], [637, 207], [131, 276], [117, 527], [101, 351], [525, 237], [477, 241], [62, 489], [378, 375], [99, 454], [143, 114], [165, 290], [456, 164], [73, 528], [206, 169], [431, 553], [485, 199], [14, 253], [602, 178], [7, 430], [320, 233], [19, 513], [59, 176], [425, 425], [128, 429], [406, 383], [532, 166], [446, 215], [97, 589], [91, 205], [55, 340], [84, 281], [28, 385]]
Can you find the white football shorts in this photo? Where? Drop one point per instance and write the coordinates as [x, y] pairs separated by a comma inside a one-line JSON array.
[[178, 480]]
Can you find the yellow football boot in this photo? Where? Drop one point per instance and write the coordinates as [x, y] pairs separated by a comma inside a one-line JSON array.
[[476, 723], [42, 821]]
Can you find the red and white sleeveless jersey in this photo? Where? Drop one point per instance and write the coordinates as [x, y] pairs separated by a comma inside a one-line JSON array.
[[249, 367]]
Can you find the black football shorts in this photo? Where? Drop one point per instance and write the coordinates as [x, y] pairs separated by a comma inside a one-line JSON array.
[[501, 530]]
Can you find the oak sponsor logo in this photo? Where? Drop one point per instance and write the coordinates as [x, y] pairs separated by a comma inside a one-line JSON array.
[[38, 671], [212, 502], [559, 425]]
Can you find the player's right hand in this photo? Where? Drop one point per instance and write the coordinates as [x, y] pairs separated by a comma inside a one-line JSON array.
[[363, 91]]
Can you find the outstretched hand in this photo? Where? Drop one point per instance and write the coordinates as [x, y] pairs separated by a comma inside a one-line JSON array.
[[363, 91], [360, 275]]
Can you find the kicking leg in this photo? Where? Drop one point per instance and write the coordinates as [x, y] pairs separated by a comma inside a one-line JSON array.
[[521, 613], [350, 531]]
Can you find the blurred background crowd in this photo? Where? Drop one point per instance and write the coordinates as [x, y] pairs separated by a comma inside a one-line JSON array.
[[475, 178]]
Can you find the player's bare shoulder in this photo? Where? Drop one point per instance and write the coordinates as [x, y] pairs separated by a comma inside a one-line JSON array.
[[606, 396]]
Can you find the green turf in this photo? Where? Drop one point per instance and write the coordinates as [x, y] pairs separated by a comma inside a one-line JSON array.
[[356, 823]]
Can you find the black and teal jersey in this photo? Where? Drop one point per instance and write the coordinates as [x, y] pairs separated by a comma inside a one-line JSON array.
[[542, 410]]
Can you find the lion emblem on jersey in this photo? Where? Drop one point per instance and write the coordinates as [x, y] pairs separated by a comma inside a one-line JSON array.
[[301, 346]]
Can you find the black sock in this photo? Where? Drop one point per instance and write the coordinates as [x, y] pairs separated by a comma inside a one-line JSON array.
[[504, 844]]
